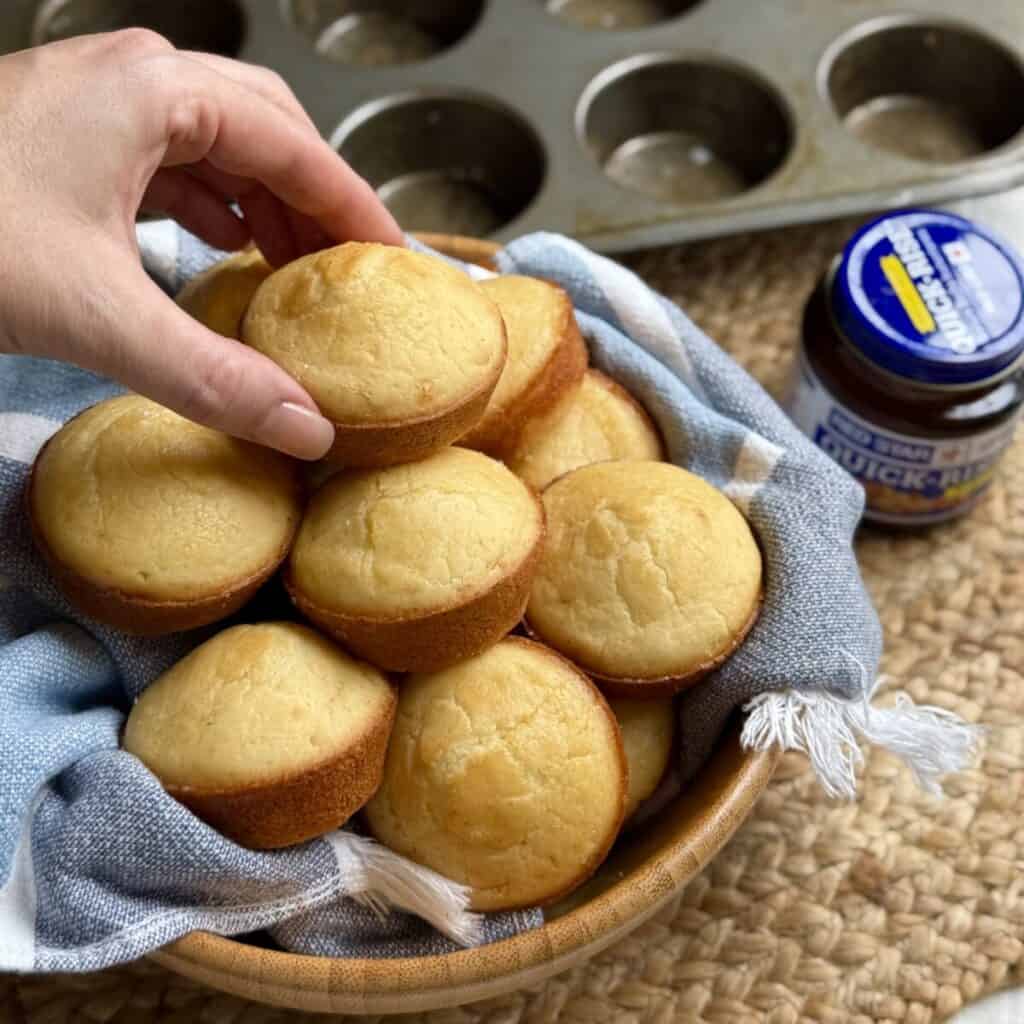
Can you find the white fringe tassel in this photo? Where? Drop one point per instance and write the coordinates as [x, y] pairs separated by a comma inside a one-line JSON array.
[[381, 880], [930, 740]]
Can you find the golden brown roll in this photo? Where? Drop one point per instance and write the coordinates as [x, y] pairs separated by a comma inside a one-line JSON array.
[[506, 773], [219, 296], [597, 421], [546, 357], [417, 566], [269, 733], [151, 523], [650, 577], [401, 351], [648, 728]]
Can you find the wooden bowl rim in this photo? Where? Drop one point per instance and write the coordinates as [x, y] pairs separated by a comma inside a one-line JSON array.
[[407, 984], [720, 799]]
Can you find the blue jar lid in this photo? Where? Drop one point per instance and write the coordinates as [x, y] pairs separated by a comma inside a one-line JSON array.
[[930, 296]]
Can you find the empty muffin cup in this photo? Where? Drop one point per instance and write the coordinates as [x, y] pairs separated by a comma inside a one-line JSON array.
[[372, 33], [463, 164], [214, 26], [683, 130], [929, 91], [617, 14]]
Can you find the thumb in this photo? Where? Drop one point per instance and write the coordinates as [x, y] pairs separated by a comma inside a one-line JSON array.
[[161, 352]]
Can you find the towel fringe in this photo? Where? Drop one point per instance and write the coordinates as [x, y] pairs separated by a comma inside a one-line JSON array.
[[380, 880], [931, 741]]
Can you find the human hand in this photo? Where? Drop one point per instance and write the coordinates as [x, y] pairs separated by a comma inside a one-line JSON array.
[[96, 128]]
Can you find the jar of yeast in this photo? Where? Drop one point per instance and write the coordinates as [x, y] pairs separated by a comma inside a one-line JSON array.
[[910, 371]]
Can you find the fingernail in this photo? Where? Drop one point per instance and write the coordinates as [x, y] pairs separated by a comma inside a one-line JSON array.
[[298, 431]]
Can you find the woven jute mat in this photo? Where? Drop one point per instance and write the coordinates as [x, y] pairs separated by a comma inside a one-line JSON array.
[[897, 908]]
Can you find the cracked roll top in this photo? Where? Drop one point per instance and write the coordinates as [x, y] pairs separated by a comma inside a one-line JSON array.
[[506, 773], [650, 577], [279, 736], [414, 567], [400, 350], [151, 523], [595, 422]]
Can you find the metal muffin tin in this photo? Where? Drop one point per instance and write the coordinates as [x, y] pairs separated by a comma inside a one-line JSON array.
[[625, 122]]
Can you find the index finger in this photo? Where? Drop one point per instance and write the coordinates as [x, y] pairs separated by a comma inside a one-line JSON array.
[[210, 116]]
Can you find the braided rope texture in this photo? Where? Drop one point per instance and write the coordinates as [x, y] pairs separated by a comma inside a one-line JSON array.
[[896, 908]]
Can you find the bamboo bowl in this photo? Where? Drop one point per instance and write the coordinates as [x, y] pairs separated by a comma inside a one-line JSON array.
[[645, 869]]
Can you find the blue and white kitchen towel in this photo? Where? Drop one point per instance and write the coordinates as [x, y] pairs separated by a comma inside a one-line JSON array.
[[99, 866]]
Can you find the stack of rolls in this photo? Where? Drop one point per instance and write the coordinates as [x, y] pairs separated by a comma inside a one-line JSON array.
[[498, 582]]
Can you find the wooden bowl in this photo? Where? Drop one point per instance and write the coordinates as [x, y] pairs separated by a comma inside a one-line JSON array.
[[646, 868]]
